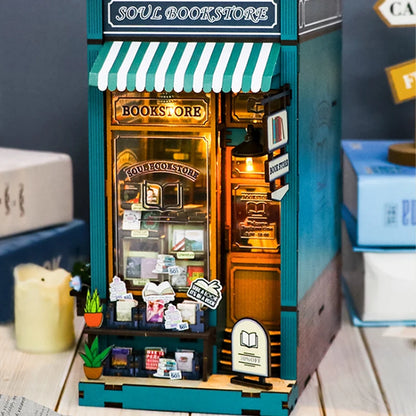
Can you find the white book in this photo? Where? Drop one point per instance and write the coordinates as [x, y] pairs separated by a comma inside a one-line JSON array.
[[36, 190]]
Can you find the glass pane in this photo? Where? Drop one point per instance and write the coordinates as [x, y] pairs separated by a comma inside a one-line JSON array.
[[255, 219], [161, 209], [248, 167]]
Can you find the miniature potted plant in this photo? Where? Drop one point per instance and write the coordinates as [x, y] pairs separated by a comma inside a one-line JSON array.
[[93, 360], [93, 311]]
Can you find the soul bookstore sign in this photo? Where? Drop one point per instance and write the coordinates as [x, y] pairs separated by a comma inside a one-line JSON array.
[[191, 16]]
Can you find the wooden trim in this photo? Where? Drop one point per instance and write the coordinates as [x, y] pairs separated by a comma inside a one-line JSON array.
[[303, 37], [318, 321], [210, 133]]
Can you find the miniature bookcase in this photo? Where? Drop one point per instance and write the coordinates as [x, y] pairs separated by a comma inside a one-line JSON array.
[[214, 139]]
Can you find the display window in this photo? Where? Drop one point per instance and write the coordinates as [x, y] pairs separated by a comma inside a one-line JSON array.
[[161, 211]]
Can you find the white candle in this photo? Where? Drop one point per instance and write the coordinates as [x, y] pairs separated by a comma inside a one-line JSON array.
[[44, 309]]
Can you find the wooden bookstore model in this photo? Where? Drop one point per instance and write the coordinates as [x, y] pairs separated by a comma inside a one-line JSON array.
[[214, 173]]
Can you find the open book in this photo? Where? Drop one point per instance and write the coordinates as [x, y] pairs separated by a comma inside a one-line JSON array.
[[248, 340]]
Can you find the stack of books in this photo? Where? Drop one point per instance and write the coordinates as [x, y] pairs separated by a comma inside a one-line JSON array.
[[36, 217], [378, 235]]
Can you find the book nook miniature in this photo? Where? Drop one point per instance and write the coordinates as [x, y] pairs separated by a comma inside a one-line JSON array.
[[214, 137]]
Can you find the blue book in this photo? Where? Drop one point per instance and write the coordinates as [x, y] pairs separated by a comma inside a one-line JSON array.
[[381, 196], [53, 247]]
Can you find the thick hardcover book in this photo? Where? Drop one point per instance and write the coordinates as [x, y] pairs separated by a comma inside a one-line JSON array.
[[380, 195], [380, 282], [36, 190]]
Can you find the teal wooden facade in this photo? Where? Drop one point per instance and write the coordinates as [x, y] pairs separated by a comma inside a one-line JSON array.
[[310, 62]]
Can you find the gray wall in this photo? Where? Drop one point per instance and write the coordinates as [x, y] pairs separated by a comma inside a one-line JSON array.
[[370, 46], [43, 79], [43, 83]]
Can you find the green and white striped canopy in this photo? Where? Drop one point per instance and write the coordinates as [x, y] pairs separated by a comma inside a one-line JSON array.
[[186, 66]]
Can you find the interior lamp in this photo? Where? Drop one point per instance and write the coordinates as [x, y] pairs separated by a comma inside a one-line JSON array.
[[251, 146]]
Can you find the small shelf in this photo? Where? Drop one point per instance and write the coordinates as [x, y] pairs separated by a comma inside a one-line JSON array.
[[208, 338], [209, 333]]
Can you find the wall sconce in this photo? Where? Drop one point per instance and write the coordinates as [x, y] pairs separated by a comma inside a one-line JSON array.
[[251, 146]]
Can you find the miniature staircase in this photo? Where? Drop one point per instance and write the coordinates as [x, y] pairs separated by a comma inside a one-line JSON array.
[[224, 364]]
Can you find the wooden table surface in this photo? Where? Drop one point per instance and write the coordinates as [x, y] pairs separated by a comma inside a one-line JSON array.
[[370, 371]]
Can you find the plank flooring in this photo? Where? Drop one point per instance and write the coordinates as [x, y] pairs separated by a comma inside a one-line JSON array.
[[366, 372]]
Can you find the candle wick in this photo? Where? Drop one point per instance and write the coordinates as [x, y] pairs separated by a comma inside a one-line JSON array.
[[43, 279]]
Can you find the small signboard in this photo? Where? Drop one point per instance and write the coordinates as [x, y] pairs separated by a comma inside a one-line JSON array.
[[206, 292], [277, 130], [277, 167], [402, 79], [397, 13], [252, 18], [250, 348]]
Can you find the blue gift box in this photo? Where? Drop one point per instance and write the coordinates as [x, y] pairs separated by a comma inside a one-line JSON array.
[[53, 247], [380, 195]]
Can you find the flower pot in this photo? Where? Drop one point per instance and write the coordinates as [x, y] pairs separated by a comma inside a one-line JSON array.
[[93, 373], [93, 320]]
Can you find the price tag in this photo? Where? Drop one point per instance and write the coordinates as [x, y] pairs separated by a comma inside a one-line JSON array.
[[182, 326], [175, 375]]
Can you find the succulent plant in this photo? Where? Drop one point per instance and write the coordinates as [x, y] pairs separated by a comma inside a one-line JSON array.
[[92, 357], [93, 304]]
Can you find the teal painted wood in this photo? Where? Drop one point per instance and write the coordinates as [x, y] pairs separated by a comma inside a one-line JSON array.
[[94, 19], [293, 397], [97, 182], [319, 156], [289, 19], [289, 342], [289, 207], [184, 399]]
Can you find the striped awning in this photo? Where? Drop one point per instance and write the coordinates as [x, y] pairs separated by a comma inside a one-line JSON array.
[[185, 66]]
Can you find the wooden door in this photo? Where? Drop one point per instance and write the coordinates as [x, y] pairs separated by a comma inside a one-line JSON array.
[[252, 224]]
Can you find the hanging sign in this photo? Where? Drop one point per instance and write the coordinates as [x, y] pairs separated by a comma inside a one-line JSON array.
[[277, 130], [209, 17], [250, 348], [278, 194], [277, 167], [397, 13], [402, 79]]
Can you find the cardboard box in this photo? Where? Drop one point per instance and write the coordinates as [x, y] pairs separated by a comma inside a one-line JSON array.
[[380, 283], [380, 195], [35, 190], [51, 248]]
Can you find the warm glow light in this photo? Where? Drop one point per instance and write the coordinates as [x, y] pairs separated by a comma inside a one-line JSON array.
[[249, 164]]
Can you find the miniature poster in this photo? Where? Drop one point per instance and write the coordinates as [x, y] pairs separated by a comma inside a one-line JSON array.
[[208, 293]]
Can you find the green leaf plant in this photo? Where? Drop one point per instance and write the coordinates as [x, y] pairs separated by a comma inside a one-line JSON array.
[[93, 358], [92, 304]]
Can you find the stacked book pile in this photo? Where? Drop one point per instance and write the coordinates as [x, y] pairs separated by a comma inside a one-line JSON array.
[[378, 235]]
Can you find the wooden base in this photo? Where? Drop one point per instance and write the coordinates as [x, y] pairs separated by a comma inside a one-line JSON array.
[[217, 395], [403, 154]]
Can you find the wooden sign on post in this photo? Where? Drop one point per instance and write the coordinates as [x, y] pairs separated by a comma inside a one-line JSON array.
[[402, 79], [397, 13]]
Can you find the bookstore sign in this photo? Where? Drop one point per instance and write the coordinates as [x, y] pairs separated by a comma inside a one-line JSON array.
[[210, 17]]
